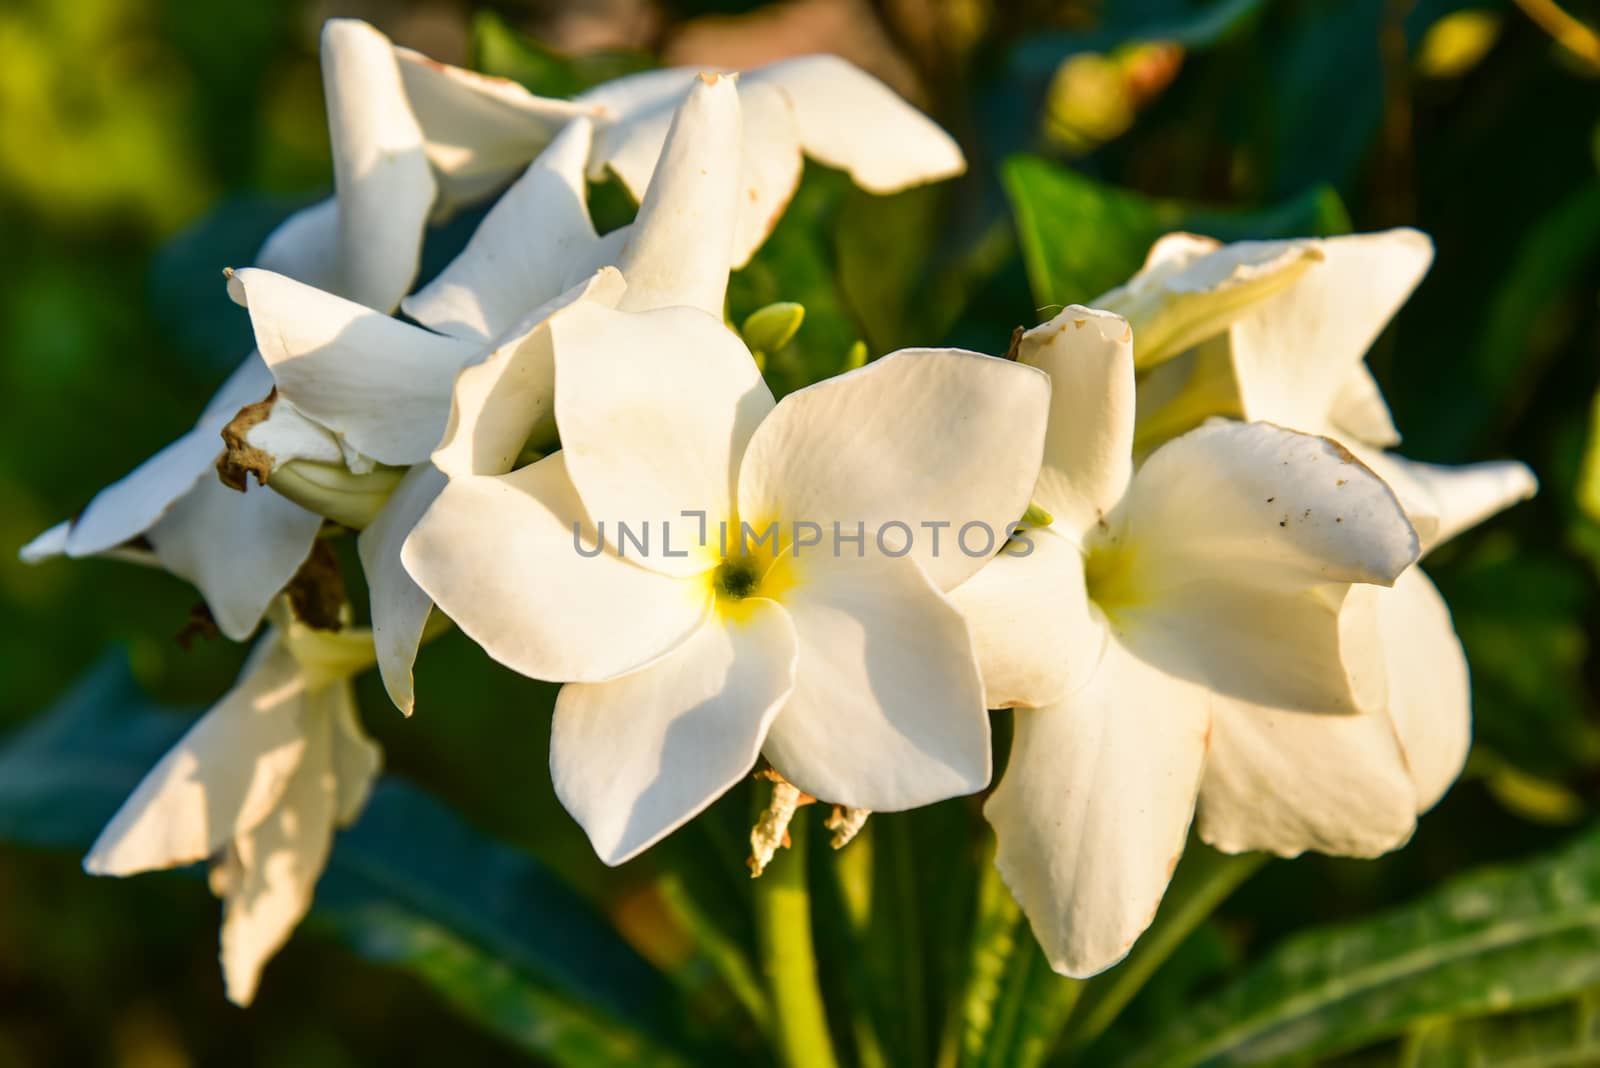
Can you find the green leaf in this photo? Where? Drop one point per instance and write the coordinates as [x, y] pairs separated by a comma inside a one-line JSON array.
[[1193, 25], [1081, 238], [1491, 941], [503, 52]]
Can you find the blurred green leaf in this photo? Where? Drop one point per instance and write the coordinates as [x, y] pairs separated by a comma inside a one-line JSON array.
[[501, 51], [1081, 238], [1487, 942], [1193, 25]]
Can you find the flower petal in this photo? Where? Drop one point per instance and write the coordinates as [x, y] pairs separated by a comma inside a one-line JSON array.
[[479, 130], [1228, 563], [680, 245], [1286, 782], [500, 557], [1430, 698], [1094, 807], [132, 505], [383, 183], [508, 397], [934, 439], [51, 543], [850, 120], [305, 246], [222, 777], [399, 607], [278, 862], [239, 550], [357, 759], [1088, 449], [1190, 288], [635, 758], [1463, 496], [381, 383], [288, 434], [1294, 352], [533, 245], [1030, 621], [655, 410], [1265, 507], [1360, 411], [771, 171], [887, 712]]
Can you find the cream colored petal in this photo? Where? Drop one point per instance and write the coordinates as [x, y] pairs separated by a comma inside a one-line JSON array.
[[279, 861], [887, 712], [1032, 628], [504, 559], [945, 443], [535, 243], [357, 759], [221, 779], [1088, 451], [399, 607], [635, 758], [1360, 411], [1463, 496], [1430, 696], [1094, 807]]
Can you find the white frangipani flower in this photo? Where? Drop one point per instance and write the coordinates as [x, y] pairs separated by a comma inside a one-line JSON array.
[[1295, 357], [256, 787], [1209, 583], [240, 549], [383, 388], [850, 670]]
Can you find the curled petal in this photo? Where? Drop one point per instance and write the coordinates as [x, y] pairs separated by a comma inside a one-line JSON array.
[[1430, 698], [399, 607]]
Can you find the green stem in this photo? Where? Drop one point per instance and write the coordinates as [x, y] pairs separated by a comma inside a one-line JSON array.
[[1203, 881], [783, 922]]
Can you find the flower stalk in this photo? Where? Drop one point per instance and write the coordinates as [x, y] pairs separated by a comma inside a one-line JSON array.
[[783, 924]]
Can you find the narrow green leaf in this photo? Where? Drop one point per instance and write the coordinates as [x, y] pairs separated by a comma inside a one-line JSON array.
[[1491, 941], [1081, 238]]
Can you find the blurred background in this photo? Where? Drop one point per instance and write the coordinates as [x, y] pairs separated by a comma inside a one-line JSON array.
[[146, 144]]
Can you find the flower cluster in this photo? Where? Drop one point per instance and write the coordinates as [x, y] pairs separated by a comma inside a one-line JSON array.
[[1166, 529]]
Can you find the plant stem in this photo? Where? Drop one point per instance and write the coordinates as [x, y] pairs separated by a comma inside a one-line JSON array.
[[1203, 881], [783, 923]]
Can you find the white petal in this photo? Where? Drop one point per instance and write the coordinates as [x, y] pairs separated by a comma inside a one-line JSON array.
[[381, 383], [850, 120], [635, 758], [1264, 507], [1095, 804], [500, 557], [632, 115], [1088, 449], [480, 130], [51, 543], [887, 712], [502, 401], [277, 865], [680, 245], [771, 171], [935, 439], [655, 410], [534, 244], [399, 607], [1030, 621], [1191, 289], [356, 757], [222, 778], [131, 506], [239, 549], [1233, 547], [288, 434], [305, 246], [1430, 698], [1360, 411], [1295, 350], [1463, 496], [381, 176], [1287, 782]]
